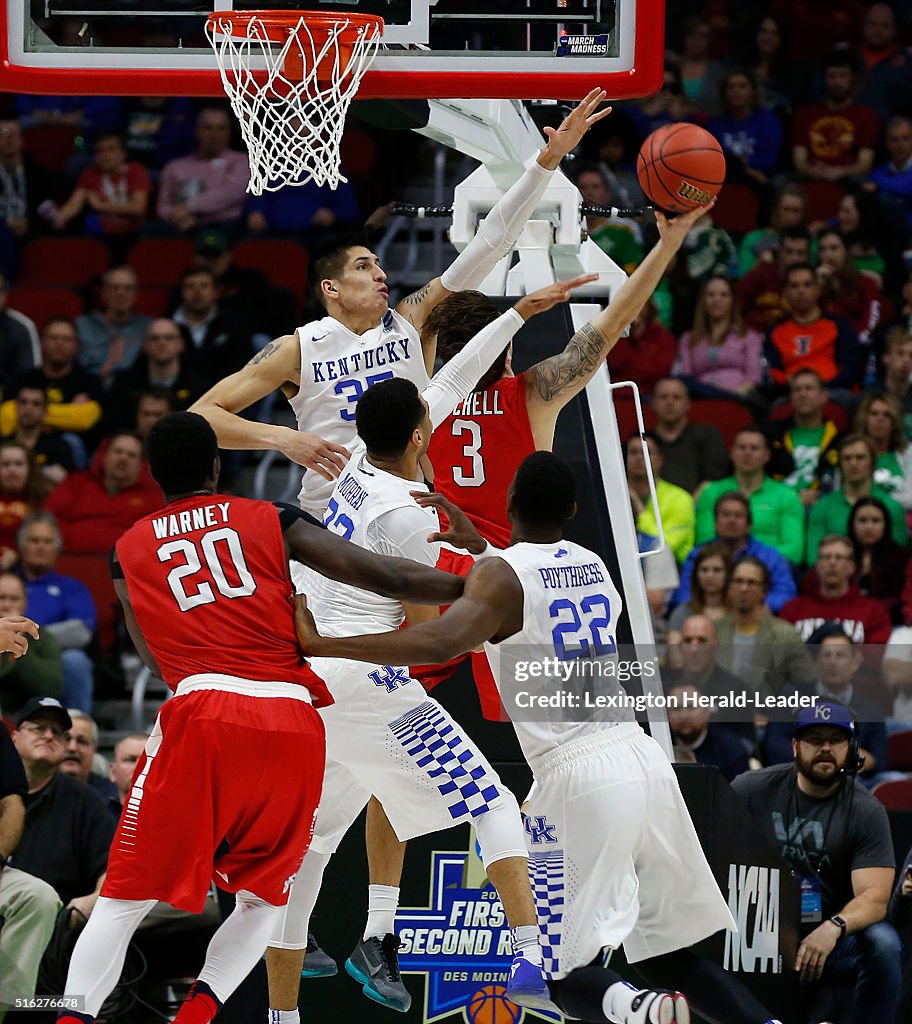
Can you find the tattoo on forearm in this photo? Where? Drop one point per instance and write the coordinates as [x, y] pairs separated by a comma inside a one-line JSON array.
[[268, 350], [578, 361], [416, 298]]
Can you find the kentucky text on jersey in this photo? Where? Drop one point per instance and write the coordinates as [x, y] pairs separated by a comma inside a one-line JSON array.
[[480, 403], [571, 576], [352, 491], [190, 520], [337, 369]]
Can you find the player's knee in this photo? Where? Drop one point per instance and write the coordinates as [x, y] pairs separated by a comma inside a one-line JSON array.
[[500, 830]]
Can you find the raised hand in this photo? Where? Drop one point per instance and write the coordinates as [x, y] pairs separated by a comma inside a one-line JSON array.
[[14, 633], [311, 451], [459, 533], [551, 295], [566, 137], [673, 232]]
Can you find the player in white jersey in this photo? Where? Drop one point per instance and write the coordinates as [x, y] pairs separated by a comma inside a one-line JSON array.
[[325, 365], [614, 856]]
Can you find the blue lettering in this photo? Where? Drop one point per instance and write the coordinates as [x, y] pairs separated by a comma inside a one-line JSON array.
[[317, 375]]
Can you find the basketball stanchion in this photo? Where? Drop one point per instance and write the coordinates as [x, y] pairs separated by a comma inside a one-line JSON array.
[[429, 212]]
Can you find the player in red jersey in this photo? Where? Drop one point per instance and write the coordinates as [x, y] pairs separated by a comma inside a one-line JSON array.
[[238, 754]]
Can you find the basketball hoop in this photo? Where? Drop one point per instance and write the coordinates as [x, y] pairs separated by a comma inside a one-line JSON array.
[[290, 76]]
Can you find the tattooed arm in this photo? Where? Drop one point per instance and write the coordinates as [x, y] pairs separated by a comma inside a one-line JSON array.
[[415, 308], [551, 383], [278, 365]]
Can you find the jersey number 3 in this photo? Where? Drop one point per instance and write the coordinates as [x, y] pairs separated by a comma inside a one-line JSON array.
[[476, 475], [215, 547]]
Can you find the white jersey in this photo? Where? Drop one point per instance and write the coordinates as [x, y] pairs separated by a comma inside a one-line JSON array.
[[337, 367], [570, 614], [373, 509]]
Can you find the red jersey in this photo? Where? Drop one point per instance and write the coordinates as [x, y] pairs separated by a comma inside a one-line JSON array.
[[476, 451], [209, 585]]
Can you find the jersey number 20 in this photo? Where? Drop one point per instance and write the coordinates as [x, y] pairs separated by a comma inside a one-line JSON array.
[[214, 546]]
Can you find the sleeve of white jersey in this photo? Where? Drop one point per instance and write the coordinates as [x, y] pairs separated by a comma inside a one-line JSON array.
[[403, 533]]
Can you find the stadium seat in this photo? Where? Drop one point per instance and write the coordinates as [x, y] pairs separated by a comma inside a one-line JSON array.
[[737, 209], [41, 302], [66, 261], [625, 410], [94, 571], [831, 411], [726, 414], [895, 796], [51, 145], [899, 751], [823, 198], [161, 261], [153, 300], [358, 153], [283, 263]]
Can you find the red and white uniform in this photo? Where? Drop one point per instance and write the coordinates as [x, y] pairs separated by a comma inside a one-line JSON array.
[[475, 453], [239, 753]]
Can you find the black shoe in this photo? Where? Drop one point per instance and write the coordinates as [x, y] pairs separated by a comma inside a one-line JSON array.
[[375, 964], [317, 963]]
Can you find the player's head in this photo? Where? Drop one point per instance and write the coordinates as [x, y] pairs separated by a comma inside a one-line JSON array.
[[543, 493], [392, 420], [183, 453], [457, 320], [345, 276]]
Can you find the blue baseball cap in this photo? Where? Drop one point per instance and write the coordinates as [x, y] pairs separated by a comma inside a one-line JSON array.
[[826, 712]]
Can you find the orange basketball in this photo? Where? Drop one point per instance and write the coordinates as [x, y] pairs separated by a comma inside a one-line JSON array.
[[490, 1005], [680, 166]]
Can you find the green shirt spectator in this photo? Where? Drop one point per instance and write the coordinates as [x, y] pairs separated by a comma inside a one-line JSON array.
[[676, 506]]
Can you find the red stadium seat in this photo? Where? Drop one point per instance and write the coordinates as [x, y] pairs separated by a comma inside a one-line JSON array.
[[895, 796], [51, 145], [40, 303], [94, 571], [283, 263], [161, 260], [726, 414], [358, 153], [823, 198], [153, 300], [899, 751], [737, 209], [625, 410], [67, 261]]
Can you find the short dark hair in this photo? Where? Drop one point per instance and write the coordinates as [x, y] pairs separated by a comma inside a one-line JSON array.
[[328, 260], [736, 498], [795, 232], [839, 59], [544, 490], [796, 267], [181, 449], [757, 564], [456, 321], [197, 270], [826, 630], [159, 394], [387, 414]]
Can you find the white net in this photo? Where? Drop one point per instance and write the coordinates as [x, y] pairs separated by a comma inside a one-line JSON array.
[[291, 95]]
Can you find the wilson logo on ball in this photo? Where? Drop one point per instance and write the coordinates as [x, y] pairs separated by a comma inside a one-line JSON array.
[[693, 194]]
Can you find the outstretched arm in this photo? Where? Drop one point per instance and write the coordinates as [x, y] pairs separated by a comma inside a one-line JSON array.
[[14, 633], [551, 383], [340, 560], [490, 606], [500, 228]]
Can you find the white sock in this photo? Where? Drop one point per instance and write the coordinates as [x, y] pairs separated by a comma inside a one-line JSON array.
[[284, 1017], [527, 941], [617, 999], [382, 904]]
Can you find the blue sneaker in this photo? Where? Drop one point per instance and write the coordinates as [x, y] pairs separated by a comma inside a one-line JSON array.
[[375, 964], [528, 986], [317, 963]]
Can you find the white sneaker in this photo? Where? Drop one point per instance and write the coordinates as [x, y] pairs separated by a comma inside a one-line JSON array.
[[649, 1006]]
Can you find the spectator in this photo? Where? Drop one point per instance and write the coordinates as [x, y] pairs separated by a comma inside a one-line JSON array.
[[809, 339], [668, 106], [696, 652], [803, 447], [79, 759], [709, 579], [23, 185], [846, 292], [779, 80], [127, 753], [208, 187], [74, 394], [836, 139], [692, 452], [888, 66], [897, 674], [113, 193], [110, 338], [619, 237], [880, 419], [647, 354], [68, 829], [750, 135], [899, 915], [836, 838], [28, 905], [39, 671], [837, 660], [894, 178], [763, 243], [158, 129], [51, 454], [700, 76], [761, 291], [897, 373], [92, 113], [879, 561], [709, 742], [151, 405], [160, 365], [307, 212], [776, 512], [870, 233], [762, 650], [857, 459], [213, 343], [94, 507], [61, 605], [612, 146], [838, 599], [676, 506], [22, 491], [733, 528], [719, 357], [19, 348], [707, 252]]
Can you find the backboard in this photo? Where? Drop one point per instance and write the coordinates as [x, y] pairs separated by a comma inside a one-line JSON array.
[[512, 49]]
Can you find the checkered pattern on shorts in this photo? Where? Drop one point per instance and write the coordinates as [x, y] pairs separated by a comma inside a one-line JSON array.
[[546, 876], [440, 750]]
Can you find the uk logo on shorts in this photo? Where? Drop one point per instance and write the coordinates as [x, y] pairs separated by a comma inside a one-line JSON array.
[[539, 830]]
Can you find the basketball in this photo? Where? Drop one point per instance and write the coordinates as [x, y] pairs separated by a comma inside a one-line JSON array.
[[491, 1006], [680, 166]]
